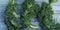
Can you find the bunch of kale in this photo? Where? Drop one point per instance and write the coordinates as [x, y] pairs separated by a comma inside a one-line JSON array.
[[45, 17], [11, 16], [30, 10]]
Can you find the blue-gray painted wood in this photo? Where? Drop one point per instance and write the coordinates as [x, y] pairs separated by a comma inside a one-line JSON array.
[[3, 4]]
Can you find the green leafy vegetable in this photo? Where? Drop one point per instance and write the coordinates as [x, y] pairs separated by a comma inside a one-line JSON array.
[[45, 17], [52, 1], [30, 10], [11, 16]]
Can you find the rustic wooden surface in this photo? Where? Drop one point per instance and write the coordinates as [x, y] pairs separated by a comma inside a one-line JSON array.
[[3, 4]]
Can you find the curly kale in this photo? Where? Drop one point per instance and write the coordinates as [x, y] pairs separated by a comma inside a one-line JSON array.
[[30, 10], [45, 17], [11, 16]]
